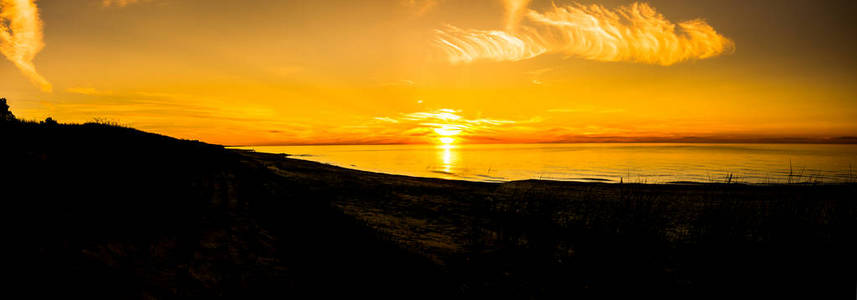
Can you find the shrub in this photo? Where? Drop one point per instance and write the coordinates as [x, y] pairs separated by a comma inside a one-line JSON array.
[[5, 114]]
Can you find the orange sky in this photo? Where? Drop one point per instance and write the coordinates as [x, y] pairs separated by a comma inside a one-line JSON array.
[[415, 71]]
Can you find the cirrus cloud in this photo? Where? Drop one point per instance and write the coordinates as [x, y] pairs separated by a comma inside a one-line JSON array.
[[21, 38], [443, 123], [632, 33], [120, 3]]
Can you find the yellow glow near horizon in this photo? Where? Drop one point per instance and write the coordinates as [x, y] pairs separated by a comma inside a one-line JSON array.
[[446, 140]]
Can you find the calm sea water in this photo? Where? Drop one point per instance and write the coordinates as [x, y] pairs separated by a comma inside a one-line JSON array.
[[635, 163]]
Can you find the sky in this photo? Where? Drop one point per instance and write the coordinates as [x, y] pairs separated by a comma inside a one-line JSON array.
[[257, 72]]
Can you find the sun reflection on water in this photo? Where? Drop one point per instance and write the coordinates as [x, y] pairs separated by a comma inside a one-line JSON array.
[[448, 157]]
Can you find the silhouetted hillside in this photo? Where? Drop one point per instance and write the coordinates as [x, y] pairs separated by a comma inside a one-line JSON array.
[[100, 210], [104, 211]]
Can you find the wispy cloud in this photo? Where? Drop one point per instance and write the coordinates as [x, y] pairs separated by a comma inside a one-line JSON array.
[[440, 114], [21, 37], [632, 33], [515, 10], [387, 119], [419, 7], [441, 123], [120, 3], [587, 109], [88, 91]]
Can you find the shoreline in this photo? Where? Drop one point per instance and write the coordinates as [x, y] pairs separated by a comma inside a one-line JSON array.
[[123, 213], [801, 179]]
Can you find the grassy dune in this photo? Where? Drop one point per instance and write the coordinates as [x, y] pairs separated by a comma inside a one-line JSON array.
[[107, 211]]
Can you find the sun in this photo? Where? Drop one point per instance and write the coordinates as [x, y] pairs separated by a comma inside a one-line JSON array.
[[446, 140], [448, 129]]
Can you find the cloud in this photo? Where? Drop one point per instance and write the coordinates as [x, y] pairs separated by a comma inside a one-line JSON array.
[[467, 45], [386, 119], [419, 7], [515, 10], [440, 114], [439, 123], [21, 38], [632, 33], [586, 109], [88, 91], [120, 3]]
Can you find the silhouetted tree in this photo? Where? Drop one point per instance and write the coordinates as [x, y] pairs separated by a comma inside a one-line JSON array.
[[49, 122], [5, 114]]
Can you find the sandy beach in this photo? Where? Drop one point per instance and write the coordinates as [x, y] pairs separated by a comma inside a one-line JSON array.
[[138, 214]]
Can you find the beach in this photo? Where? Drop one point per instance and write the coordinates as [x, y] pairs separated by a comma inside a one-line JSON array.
[[546, 238], [128, 214]]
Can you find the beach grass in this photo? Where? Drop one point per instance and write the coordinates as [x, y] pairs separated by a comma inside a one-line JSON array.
[[105, 210]]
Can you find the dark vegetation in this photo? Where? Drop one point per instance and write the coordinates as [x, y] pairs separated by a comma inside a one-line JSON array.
[[105, 211]]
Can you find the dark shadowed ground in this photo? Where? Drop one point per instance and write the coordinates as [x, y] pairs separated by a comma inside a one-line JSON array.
[[110, 212]]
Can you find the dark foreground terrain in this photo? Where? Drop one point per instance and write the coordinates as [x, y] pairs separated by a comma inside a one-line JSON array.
[[110, 212]]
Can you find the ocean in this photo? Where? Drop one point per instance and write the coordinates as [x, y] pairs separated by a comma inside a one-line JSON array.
[[607, 162]]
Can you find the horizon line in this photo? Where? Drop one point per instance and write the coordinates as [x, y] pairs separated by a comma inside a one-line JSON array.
[[796, 141]]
